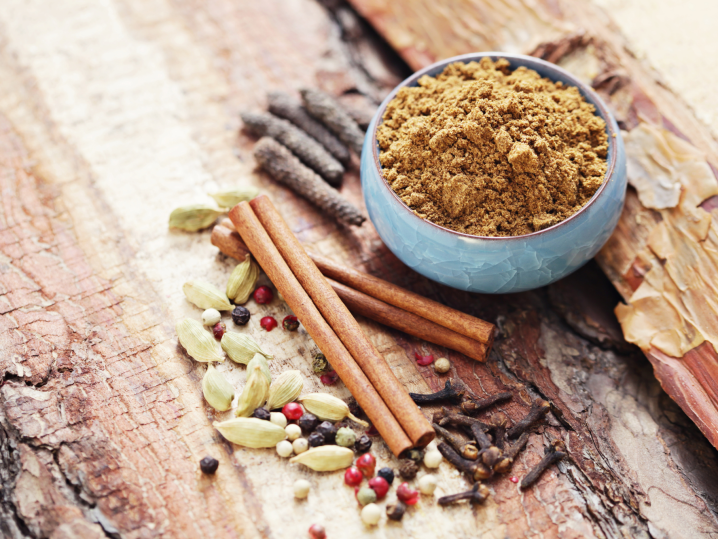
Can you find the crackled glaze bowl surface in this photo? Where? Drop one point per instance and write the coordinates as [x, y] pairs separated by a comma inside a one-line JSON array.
[[488, 264]]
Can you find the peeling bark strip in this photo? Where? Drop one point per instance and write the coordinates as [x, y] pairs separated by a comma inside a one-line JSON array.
[[112, 114]]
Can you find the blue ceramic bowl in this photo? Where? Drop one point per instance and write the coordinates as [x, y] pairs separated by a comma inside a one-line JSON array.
[[496, 264]]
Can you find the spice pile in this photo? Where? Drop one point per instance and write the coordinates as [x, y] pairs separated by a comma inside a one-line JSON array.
[[487, 151]]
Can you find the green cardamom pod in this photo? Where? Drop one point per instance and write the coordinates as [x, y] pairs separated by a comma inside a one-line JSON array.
[[328, 407], [251, 432], [242, 280], [241, 348], [260, 360], [218, 392], [198, 342], [205, 296], [194, 217], [326, 458], [254, 393], [286, 388], [232, 197]]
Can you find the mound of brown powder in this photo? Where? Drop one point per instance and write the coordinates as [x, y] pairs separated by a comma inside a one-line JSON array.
[[487, 151]]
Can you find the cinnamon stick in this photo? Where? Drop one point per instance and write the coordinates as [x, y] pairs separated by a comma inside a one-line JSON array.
[[416, 426], [361, 304], [456, 321], [275, 267]]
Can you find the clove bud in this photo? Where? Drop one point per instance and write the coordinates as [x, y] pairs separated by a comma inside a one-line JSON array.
[[538, 410], [553, 453], [475, 469], [449, 393], [477, 494], [471, 405]]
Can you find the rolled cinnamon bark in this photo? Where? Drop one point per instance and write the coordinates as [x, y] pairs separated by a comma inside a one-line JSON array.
[[268, 257], [463, 323], [416, 426], [359, 303]]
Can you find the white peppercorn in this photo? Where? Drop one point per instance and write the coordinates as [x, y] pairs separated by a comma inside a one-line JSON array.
[[284, 448], [210, 317], [300, 445], [432, 459], [293, 432], [278, 418], [442, 365], [371, 514], [427, 484], [302, 488]]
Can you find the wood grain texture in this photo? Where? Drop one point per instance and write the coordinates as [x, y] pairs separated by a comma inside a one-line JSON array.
[[114, 113]]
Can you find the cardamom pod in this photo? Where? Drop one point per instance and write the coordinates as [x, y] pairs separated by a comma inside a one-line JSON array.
[[205, 296], [232, 197], [218, 392], [197, 341], [254, 393], [242, 280], [326, 458], [241, 348], [194, 217], [251, 432], [284, 389], [328, 407], [260, 360]]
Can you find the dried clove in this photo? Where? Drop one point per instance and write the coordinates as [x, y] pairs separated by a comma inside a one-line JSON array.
[[504, 464], [324, 108], [281, 164], [490, 456], [538, 410], [457, 420], [284, 106], [499, 422], [477, 494], [553, 453], [308, 150], [479, 431], [466, 449], [472, 405], [476, 469], [449, 393]]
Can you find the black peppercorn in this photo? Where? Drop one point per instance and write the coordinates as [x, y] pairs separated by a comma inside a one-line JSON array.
[[208, 465], [395, 511], [328, 430], [363, 444], [261, 413], [240, 315], [387, 473], [320, 363], [308, 422], [315, 439], [408, 469]]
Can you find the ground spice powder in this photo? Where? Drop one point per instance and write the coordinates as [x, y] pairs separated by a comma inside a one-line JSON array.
[[487, 151]]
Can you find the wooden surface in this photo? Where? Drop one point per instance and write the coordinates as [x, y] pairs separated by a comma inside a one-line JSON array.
[[111, 115]]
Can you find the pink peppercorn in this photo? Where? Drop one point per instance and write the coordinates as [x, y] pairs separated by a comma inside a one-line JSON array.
[[407, 495], [268, 323], [290, 323], [353, 477], [423, 360], [218, 330], [263, 295], [317, 531], [380, 486], [293, 411], [514, 479], [329, 378], [366, 463]]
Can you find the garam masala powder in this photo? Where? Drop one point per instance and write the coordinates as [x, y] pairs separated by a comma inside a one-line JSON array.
[[487, 151]]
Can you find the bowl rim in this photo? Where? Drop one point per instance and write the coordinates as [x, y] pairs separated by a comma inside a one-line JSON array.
[[602, 109]]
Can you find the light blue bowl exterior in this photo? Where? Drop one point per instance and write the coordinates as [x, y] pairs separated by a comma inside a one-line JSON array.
[[496, 265]]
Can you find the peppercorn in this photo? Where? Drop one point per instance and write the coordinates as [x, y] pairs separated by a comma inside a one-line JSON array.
[[380, 486], [328, 430], [366, 463], [363, 444], [320, 363], [442, 365], [290, 323], [301, 488], [210, 317], [268, 323], [316, 531], [417, 455], [345, 437], [353, 477], [293, 432], [208, 465], [423, 360], [218, 329], [293, 411], [261, 413], [300, 445], [263, 295], [408, 469], [427, 484], [240, 315], [407, 495], [395, 511], [278, 418], [329, 378], [315, 439], [371, 514], [308, 422], [366, 496], [387, 473]]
